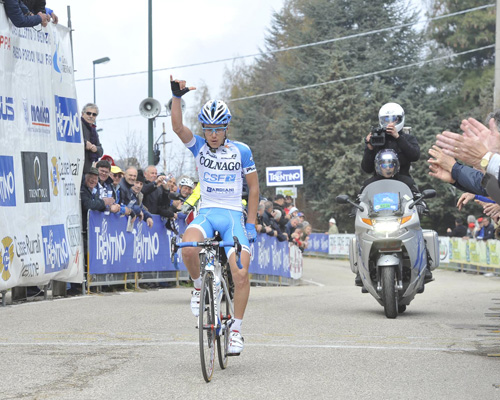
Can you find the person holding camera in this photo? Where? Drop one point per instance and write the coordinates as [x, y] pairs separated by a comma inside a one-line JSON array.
[[390, 135]]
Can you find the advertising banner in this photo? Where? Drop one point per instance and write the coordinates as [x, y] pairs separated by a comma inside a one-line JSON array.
[[41, 157], [318, 243], [114, 250], [284, 176]]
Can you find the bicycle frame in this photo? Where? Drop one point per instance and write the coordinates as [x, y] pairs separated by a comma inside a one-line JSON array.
[[213, 322]]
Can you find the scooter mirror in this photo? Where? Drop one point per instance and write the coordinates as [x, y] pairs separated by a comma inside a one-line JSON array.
[[342, 199], [429, 193]]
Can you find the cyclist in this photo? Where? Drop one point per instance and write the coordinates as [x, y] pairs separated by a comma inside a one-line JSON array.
[[221, 165]]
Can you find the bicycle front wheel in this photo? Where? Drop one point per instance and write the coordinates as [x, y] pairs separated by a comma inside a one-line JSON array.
[[206, 326], [223, 335]]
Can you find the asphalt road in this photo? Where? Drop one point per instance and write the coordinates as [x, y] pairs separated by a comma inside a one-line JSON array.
[[320, 340]]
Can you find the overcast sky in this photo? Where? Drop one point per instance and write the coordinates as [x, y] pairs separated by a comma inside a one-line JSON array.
[[184, 32]]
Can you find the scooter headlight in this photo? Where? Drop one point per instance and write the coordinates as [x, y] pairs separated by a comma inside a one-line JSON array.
[[386, 226]]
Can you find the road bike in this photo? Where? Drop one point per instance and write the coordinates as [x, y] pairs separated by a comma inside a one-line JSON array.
[[216, 301]]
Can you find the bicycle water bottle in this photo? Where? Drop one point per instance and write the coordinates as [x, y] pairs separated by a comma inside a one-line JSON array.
[[110, 194]]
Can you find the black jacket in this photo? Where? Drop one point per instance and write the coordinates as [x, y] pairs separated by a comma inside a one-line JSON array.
[[86, 129], [406, 147], [90, 201], [458, 231], [156, 199]]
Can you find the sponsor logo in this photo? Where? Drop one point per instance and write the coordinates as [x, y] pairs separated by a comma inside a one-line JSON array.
[[220, 190], [7, 253], [56, 251], [250, 169], [35, 177], [7, 182], [4, 42], [288, 176], [7, 108], [60, 63], [220, 165], [25, 248], [146, 247], [219, 178], [37, 117], [61, 173], [68, 126], [110, 247]]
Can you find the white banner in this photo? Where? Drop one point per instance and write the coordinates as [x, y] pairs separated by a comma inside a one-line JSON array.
[[41, 157], [339, 244]]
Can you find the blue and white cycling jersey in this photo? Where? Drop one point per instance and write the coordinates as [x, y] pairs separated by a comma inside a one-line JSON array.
[[221, 172]]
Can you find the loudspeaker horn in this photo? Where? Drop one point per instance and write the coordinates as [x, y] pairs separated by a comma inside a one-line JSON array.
[[168, 106], [150, 108]]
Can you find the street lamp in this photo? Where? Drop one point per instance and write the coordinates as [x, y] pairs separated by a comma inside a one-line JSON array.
[[99, 61]]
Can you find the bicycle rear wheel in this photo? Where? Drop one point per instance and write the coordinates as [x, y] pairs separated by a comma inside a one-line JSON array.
[[223, 335], [206, 326]]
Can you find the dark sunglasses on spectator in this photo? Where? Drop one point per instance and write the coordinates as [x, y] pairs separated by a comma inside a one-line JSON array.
[[91, 114], [388, 165]]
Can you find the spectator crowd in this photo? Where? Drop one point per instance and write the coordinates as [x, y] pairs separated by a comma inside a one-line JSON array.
[[470, 161]]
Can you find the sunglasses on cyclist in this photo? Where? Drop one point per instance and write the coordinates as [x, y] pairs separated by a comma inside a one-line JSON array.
[[91, 114], [211, 131]]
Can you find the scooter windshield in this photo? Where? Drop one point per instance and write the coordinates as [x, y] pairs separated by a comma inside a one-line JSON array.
[[386, 201], [386, 196]]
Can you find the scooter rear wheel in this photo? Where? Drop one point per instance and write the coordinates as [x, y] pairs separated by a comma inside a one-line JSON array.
[[389, 292]]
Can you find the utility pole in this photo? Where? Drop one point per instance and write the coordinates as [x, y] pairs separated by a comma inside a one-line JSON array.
[[496, 94], [150, 78]]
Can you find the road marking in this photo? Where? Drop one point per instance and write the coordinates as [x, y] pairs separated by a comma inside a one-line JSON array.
[[301, 346], [312, 282]]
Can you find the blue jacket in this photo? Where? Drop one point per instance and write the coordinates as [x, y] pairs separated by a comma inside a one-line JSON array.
[[16, 11], [468, 179]]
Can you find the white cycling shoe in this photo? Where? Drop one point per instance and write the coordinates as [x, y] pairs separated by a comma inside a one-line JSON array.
[[195, 302], [236, 343]]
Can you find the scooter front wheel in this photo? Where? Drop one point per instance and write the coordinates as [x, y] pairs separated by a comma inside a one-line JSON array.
[[389, 292]]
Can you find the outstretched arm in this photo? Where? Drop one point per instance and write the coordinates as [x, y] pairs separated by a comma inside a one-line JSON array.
[[179, 89]]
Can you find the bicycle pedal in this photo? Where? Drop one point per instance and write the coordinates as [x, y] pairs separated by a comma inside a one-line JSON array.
[[233, 354]]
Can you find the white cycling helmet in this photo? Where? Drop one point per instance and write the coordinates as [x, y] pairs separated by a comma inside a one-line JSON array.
[[186, 182], [387, 163], [392, 112], [214, 112]]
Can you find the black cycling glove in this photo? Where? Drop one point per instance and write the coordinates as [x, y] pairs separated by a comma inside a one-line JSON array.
[[176, 89]]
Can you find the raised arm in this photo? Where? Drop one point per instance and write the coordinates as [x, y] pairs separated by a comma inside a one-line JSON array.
[[179, 89]]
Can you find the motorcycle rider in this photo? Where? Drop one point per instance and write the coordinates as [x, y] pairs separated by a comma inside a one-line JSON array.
[[387, 166]]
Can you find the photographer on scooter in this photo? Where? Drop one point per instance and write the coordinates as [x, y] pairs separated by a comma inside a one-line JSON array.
[[391, 135]]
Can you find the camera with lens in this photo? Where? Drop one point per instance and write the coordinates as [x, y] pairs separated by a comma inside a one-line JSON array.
[[378, 136]]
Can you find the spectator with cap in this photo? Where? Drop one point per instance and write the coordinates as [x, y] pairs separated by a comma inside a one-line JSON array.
[[471, 230], [487, 230], [186, 186], [301, 216], [459, 230], [333, 230], [116, 175], [293, 212], [92, 145], [90, 199]]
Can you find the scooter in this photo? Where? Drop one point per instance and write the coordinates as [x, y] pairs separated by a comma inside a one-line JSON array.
[[390, 250]]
